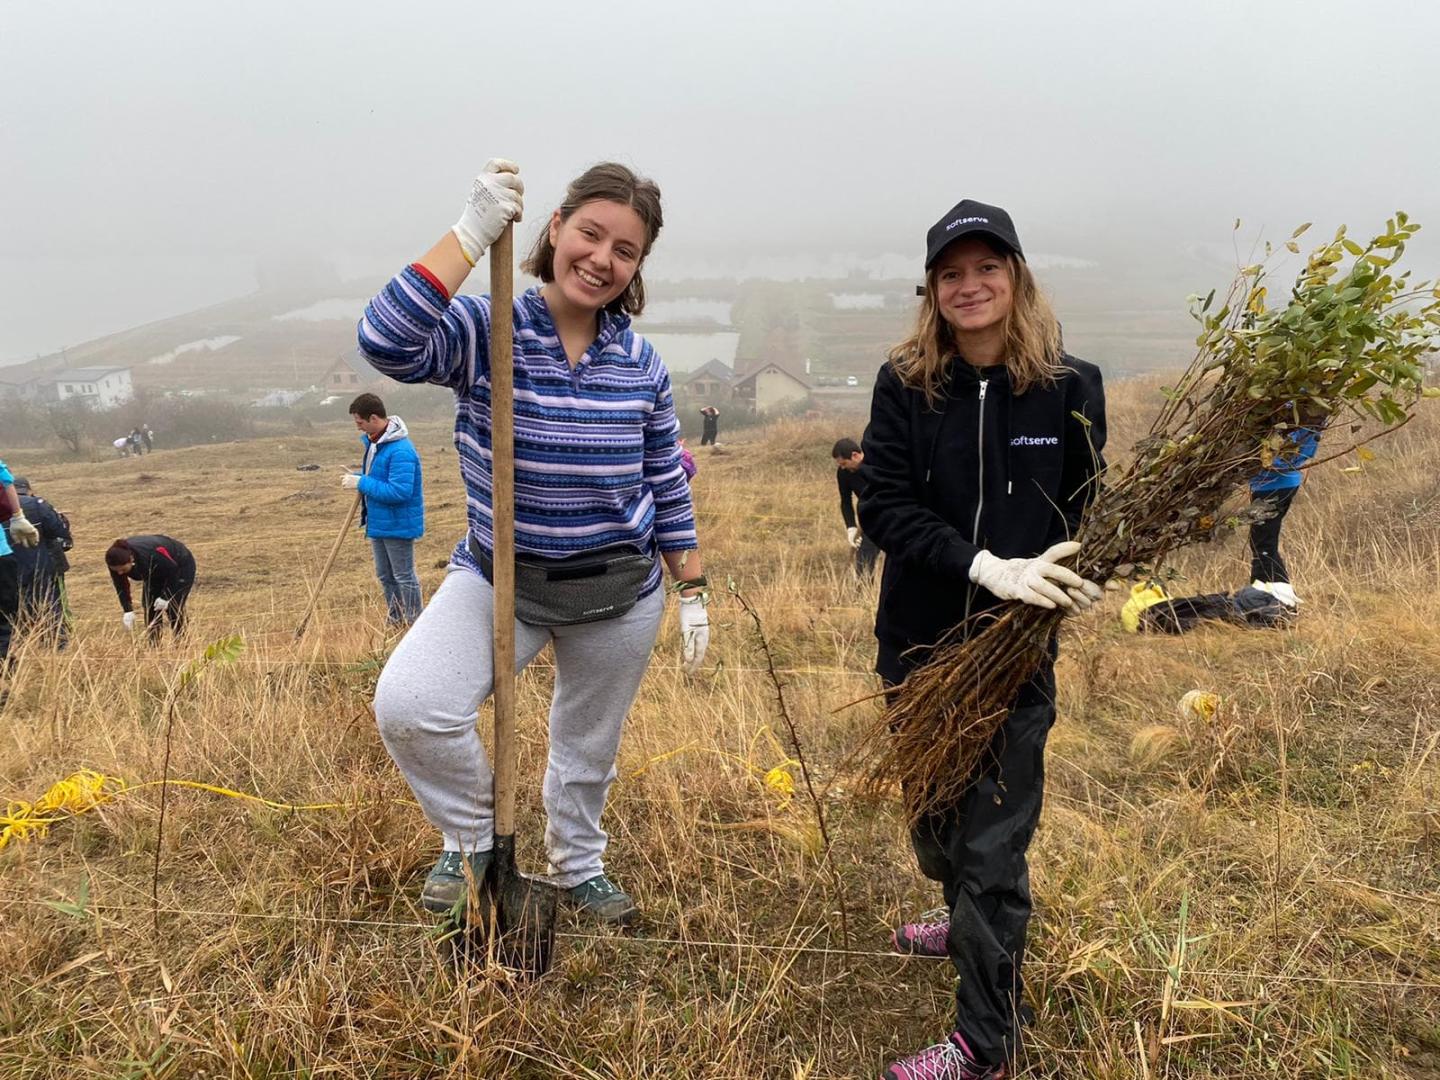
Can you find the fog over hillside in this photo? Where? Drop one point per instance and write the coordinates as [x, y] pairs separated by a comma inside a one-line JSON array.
[[158, 160]]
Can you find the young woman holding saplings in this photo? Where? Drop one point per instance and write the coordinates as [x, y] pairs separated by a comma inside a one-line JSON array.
[[166, 572], [982, 450], [597, 481]]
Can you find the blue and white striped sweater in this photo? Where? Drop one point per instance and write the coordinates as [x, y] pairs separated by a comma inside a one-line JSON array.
[[597, 458]]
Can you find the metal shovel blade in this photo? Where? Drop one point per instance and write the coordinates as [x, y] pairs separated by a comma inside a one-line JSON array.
[[524, 913]]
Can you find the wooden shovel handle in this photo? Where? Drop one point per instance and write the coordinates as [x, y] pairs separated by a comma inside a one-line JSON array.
[[502, 450], [329, 563]]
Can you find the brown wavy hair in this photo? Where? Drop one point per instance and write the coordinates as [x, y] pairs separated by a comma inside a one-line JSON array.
[[611, 182], [1032, 338]]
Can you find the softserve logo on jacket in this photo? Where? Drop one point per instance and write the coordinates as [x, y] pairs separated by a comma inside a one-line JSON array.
[[967, 221], [1035, 440]]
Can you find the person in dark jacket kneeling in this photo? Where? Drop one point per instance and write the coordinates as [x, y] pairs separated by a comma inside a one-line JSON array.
[[394, 504], [982, 450], [166, 570]]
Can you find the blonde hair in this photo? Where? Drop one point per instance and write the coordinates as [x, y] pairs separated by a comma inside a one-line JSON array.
[[1032, 338]]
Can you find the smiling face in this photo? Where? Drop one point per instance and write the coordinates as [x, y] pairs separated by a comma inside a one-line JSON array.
[[973, 287], [598, 250]]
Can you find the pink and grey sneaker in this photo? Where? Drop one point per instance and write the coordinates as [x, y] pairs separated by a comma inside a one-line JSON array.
[[926, 938], [948, 1060]]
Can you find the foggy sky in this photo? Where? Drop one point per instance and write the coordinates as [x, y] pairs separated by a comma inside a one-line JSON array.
[[151, 153]]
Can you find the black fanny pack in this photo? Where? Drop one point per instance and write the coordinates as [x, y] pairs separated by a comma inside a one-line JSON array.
[[583, 588]]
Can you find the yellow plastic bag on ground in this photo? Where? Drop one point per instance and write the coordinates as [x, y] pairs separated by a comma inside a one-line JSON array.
[[1142, 596]]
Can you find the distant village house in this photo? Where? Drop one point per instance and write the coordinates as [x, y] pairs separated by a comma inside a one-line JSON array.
[[710, 383], [98, 387], [770, 388], [351, 374]]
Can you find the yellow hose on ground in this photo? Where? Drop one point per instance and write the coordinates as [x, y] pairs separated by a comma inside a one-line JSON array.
[[83, 791]]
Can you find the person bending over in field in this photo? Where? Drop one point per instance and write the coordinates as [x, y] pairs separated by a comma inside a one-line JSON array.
[[166, 572], [1275, 489], [597, 480], [982, 450], [848, 458]]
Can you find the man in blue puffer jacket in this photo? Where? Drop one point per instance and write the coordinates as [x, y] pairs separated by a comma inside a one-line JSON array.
[[394, 504]]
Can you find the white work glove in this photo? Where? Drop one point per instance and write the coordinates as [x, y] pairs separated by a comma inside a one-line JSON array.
[[694, 632], [496, 199], [852, 534], [1040, 581], [160, 604], [22, 532], [350, 481], [129, 620]]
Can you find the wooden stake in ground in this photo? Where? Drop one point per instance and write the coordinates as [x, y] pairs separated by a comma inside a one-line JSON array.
[[329, 562], [524, 909]]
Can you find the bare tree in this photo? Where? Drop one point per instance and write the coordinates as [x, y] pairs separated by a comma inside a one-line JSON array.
[[73, 422]]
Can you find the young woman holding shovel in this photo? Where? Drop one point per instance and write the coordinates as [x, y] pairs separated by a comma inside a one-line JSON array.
[[600, 502], [982, 450]]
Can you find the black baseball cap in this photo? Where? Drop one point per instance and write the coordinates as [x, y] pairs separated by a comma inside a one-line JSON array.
[[22, 485], [967, 218]]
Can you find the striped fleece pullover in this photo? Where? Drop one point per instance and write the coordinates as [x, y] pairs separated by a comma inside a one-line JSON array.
[[597, 457]]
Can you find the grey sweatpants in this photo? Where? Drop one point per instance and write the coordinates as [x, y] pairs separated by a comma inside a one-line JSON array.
[[428, 694]]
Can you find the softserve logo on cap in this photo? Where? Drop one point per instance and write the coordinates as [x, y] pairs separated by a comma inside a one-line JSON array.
[[966, 217]]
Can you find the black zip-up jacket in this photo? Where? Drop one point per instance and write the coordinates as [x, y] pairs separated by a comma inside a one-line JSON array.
[[986, 468], [38, 566], [852, 489], [163, 564]]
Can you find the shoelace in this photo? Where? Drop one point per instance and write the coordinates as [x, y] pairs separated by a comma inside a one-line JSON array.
[[603, 887], [943, 1061], [450, 862], [925, 936], [933, 935]]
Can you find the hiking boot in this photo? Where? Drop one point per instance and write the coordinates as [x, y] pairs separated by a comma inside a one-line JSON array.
[[445, 886], [602, 899], [921, 939], [948, 1060]]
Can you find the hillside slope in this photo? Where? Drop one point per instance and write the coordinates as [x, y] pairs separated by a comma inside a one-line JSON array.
[[1251, 898]]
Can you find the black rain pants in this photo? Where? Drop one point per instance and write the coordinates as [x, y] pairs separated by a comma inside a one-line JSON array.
[[976, 851], [177, 591], [1265, 561]]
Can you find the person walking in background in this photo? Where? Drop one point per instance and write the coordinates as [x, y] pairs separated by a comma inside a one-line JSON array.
[[394, 508], [711, 429], [137, 443], [41, 569], [1271, 492], [848, 458], [149, 437], [982, 451], [166, 572], [600, 498]]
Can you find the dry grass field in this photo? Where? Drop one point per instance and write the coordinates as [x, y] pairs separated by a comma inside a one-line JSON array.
[[1250, 897]]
